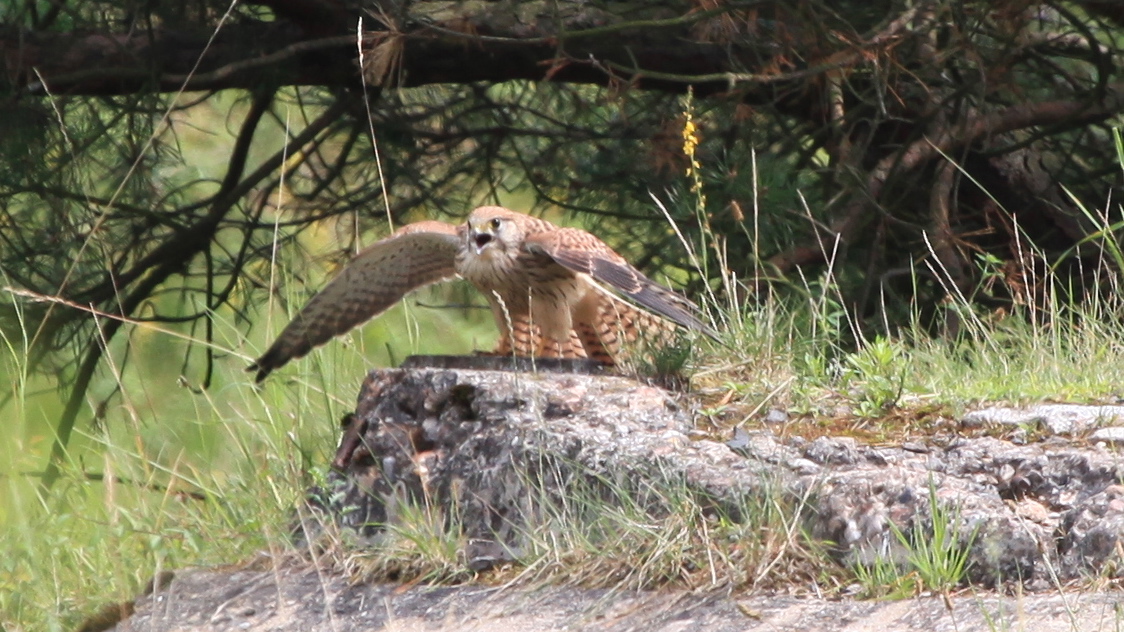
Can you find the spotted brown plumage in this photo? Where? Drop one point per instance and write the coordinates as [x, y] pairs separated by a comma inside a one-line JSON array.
[[549, 289]]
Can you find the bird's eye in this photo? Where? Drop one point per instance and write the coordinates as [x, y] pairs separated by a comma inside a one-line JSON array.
[[495, 223]]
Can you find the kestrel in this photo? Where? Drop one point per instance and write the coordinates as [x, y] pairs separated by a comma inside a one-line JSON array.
[[545, 285]]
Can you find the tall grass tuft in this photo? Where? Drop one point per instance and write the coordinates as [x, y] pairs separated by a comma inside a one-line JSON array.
[[163, 474], [797, 347]]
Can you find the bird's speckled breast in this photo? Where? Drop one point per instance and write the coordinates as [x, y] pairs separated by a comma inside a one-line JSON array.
[[497, 271], [521, 279]]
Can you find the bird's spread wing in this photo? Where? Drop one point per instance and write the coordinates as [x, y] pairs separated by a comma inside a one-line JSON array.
[[580, 251], [415, 256]]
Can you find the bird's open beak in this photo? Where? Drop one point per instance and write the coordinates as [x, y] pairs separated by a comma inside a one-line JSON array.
[[481, 239]]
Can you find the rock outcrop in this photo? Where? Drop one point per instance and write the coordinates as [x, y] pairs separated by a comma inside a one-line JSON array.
[[480, 440], [488, 442]]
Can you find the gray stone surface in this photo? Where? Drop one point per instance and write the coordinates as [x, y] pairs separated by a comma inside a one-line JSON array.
[[1058, 419], [300, 599], [1112, 434]]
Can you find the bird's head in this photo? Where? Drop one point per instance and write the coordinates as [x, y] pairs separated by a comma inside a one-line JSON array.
[[492, 230]]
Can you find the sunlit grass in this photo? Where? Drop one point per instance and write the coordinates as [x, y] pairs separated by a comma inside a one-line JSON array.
[[929, 557], [796, 347], [653, 530], [777, 356], [171, 475]]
